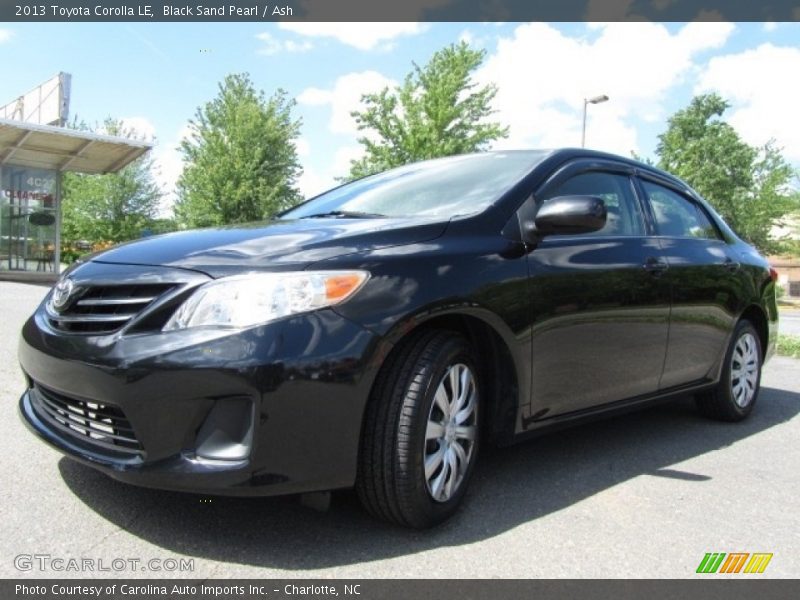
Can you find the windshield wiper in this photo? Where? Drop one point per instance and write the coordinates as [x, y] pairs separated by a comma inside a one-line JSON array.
[[345, 214]]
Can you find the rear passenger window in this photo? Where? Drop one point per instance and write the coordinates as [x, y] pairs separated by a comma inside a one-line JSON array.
[[677, 216], [624, 217]]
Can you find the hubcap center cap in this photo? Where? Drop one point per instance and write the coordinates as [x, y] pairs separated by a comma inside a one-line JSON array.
[[450, 432]]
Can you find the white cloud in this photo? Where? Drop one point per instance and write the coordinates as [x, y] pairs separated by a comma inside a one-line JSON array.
[[342, 157], [142, 127], [345, 97], [313, 182], [364, 36], [770, 26], [303, 147], [293, 46], [756, 82], [169, 166], [698, 36], [466, 36], [5, 35], [543, 76], [310, 183], [315, 96], [271, 45], [476, 41]]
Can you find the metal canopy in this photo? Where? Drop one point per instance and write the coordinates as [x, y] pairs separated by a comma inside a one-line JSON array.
[[48, 147]]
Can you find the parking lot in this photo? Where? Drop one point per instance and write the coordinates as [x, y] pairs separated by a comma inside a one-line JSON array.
[[642, 495]]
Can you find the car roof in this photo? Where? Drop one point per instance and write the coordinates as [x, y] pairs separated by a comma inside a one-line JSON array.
[[568, 153]]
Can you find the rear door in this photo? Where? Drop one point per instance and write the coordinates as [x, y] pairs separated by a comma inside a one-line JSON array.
[[703, 276], [600, 301]]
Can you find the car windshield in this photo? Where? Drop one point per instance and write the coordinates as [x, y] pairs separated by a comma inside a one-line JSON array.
[[443, 187]]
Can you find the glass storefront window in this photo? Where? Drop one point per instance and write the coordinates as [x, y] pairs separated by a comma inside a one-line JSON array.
[[28, 217]]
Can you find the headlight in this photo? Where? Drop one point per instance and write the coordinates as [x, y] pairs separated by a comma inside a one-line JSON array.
[[246, 300]]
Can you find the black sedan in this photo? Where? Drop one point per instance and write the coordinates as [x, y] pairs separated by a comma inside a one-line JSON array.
[[378, 334]]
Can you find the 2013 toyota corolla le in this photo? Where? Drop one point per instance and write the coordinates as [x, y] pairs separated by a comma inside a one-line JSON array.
[[378, 334]]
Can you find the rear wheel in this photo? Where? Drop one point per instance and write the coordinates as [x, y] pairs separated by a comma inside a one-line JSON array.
[[737, 392], [420, 438]]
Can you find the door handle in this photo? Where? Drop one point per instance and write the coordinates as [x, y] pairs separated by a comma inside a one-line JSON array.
[[656, 266], [731, 264]]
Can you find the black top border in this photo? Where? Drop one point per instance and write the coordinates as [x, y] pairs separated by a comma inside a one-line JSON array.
[[398, 10]]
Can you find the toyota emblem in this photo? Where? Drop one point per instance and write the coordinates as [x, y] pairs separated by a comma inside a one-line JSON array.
[[62, 293]]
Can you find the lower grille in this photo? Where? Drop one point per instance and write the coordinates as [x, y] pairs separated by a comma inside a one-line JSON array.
[[101, 425], [101, 310]]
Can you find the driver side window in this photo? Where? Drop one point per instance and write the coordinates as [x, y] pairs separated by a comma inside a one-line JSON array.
[[624, 217]]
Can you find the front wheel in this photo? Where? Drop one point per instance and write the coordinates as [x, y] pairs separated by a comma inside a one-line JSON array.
[[420, 438], [733, 399]]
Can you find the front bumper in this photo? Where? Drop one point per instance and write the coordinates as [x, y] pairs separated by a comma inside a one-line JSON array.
[[307, 379]]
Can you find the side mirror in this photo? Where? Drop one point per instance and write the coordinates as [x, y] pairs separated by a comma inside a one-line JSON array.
[[568, 215]]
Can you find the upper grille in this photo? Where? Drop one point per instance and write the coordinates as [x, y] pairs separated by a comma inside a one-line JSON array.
[[106, 309], [102, 425]]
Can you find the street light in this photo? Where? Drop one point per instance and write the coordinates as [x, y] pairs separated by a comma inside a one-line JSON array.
[[586, 102]]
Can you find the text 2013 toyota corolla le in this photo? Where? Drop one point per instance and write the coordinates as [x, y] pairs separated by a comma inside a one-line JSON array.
[[378, 334]]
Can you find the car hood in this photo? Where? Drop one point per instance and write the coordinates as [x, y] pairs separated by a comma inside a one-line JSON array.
[[279, 244]]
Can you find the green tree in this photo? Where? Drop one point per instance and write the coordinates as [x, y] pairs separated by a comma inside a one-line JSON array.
[[750, 187], [240, 158], [114, 207], [163, 225], [438, 111]]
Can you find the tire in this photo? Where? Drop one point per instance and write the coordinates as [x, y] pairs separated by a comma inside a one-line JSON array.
[[413, 388], [734, 397]]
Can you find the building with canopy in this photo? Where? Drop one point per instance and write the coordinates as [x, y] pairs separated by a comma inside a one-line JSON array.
[[33, 157]]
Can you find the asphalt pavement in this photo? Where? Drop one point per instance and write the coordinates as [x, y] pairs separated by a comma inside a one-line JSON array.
[[642, 495]]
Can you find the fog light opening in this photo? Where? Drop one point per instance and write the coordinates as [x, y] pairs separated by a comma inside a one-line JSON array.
[[227, 433]]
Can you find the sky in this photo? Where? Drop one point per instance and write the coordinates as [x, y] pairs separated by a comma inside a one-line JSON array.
[[155, 75]]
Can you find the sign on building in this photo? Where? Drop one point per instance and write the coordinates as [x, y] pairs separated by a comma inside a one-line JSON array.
[[46, 104]]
